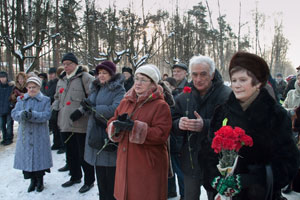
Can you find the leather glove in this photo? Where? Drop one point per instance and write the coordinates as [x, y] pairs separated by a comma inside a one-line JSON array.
[[124, 125], [228, 186], [87, 104], [26, 115], [76, 115], [100, 121], [123, 117]]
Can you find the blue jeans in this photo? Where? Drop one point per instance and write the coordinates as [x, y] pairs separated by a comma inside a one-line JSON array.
[[177, 170], [7, 124]]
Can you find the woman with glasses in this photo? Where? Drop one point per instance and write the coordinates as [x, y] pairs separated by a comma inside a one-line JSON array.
[[33, 153], [141, 125]]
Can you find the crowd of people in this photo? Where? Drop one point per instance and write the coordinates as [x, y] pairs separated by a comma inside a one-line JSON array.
[[135, 131]]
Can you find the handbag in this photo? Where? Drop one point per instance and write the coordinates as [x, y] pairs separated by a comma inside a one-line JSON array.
[[98, 138]]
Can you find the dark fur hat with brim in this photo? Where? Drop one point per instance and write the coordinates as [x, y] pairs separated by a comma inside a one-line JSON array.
[[252, 63]]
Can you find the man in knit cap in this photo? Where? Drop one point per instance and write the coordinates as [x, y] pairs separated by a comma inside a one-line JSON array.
[[72, 88]]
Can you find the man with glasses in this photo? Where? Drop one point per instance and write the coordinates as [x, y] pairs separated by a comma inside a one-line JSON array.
[[72, 88]]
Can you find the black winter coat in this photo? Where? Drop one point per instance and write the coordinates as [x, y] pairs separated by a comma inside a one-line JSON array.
[[50, 89], [270, 128], [205, 106]]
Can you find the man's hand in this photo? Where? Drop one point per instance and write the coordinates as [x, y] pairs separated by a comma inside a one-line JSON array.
[[195, 125]]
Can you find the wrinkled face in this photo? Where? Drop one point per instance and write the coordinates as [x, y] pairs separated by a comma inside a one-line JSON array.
[[103, 76], [32, 89], [3, 80], [241, 84], [179, 74], [21, 80], [69, 66], [201, 78], [127, 75], [141, 84]]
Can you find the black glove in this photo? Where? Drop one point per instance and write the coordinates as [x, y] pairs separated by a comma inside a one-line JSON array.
[[54, 115], [76, 115], [123, 117], [100, 121], [87, 104], [124, 125], [26, 115]]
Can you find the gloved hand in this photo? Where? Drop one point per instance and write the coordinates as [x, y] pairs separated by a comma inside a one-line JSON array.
[[124, 125], [229, 186], [54, 115], [100, 121], [87, 104], [123, 117], [26, 115], [76, 115]]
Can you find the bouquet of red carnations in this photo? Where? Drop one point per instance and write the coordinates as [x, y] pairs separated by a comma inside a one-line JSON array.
[[227, 142]]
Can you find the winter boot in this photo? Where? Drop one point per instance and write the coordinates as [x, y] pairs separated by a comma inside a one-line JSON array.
[[39, 184], [32, 185]]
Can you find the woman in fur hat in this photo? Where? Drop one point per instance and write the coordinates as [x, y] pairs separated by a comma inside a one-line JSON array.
[[141, 124], [273, 160]]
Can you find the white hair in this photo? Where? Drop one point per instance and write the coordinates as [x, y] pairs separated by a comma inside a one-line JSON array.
[[200, 60]]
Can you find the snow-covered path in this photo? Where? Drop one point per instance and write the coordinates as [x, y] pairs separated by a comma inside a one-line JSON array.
[[14, 187]]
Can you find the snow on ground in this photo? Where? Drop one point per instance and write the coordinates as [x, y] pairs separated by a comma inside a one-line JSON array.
[[14, 187]]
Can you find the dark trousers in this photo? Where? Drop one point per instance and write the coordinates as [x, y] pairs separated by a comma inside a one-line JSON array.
[[7, 124], [57, 139], [106, 182], [192, 187], [177, 170], [75, 153]]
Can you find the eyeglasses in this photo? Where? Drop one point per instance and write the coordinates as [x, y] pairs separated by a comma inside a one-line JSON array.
[[67, 64], [143, 81], [33, 87]]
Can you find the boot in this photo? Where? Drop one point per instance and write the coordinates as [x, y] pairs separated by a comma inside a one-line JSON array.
[[32, 185], [39, 184]]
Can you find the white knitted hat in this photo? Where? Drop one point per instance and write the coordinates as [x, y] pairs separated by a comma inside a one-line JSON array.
[[35, 80], [150, 70]]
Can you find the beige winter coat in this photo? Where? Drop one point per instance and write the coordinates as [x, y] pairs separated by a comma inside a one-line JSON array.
[[69, 94]]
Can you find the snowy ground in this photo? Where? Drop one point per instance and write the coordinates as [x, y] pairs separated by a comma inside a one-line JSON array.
[[14, 187]]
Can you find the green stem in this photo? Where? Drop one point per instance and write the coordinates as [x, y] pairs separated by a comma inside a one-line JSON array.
[[69, 138]]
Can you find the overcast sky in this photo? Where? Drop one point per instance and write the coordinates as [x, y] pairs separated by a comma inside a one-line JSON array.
[[288, 10]]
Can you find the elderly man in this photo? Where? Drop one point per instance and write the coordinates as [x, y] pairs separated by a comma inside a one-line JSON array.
[[72, 88], [191, 118], [180, 74]]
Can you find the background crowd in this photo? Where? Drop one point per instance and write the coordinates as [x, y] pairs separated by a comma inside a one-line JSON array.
[[134, 132]]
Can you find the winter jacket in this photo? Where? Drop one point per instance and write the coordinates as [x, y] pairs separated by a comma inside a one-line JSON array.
[[69, 94], [33, 151], [181, 85], [106, 99], [5, 103], [205, 106], [50, 89], [270, 128], [292, 100], [128, 83], [142, 157]]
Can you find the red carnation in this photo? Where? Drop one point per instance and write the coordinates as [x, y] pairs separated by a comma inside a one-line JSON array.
[[153, 95], [22, 97], [61, 90], [68, 103], [187, 89], [46, 87]]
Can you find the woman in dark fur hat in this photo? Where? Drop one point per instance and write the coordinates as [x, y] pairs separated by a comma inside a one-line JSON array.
[[273, 160]]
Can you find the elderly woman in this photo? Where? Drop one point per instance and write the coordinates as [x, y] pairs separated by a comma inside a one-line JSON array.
[[141, 125], [106, 93], [33, 154], [273, 160]]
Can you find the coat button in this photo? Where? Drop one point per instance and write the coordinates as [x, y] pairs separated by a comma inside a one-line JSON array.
[[124, 149]]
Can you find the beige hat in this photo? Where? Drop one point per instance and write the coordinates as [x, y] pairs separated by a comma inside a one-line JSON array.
[[149, 70], [34, 79]]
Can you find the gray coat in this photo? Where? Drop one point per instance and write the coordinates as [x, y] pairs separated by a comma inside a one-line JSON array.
[[106, 98], [71, 91], [33, 151]]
